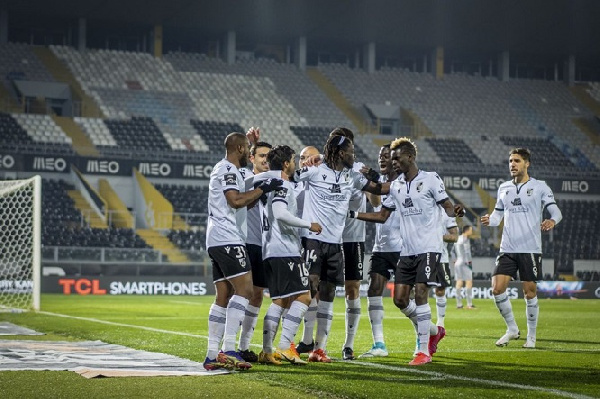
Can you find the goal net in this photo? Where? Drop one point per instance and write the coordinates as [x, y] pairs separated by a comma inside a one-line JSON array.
[[20, 244]]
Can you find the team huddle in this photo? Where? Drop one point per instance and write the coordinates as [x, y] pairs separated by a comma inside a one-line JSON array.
[[299, 231]]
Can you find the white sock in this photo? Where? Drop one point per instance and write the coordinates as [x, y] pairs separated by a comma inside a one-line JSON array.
[[270, 326], [216, 329], [423, 326], [310, 317], [532, 316], [459, 298], [236, 310], [411, 312], [352, 320], [290, 324], [248, 326], [440, 307], [324, 319], [375, 304], [505, 308], [469, 296]]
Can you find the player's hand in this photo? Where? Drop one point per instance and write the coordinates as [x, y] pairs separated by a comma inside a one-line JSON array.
[[314, 160], [459, 210], [548, 225], [315, 228], [253, 135], [370, 174], [485, 220], [270, 185]]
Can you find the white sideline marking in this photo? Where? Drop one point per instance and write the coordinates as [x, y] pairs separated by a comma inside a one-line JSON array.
[[433, 374]]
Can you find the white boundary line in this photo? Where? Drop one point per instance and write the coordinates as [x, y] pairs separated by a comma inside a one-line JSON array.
[[433, 374]]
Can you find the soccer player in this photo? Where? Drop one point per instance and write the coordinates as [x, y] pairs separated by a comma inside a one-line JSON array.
[[330, 186], [225, 239], [307, 343], [417, 196], [449, 236], [463, 268], [521, 201], [288, 274], [258, 158], [385, 256]]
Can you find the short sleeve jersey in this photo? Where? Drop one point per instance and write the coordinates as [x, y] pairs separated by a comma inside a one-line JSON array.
[[355, 230], [463, 250], [447, 223], [280, 239], [417, 203], [254, 213], [387, 235], [327, 198], [226, 225], [523, 207]]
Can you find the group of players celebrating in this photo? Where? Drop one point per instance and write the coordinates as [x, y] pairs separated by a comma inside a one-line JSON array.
[[299, 231]]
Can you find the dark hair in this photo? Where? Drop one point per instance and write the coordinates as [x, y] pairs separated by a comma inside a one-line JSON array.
[[259, 144], [279, 155], [388, 145], [344, 132], [466, 227], [331, 151], [523, 152]]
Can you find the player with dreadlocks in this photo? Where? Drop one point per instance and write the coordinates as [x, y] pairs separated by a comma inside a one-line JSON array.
[[330, 187]]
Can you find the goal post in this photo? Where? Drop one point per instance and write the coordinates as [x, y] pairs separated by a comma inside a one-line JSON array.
[[20, 244]]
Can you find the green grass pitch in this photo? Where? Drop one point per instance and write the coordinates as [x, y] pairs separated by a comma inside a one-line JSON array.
[[467, 364]]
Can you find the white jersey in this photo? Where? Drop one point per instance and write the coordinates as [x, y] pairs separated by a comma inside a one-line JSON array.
[[327, 198], [279, 238], [446, 224], [226, 225], [254, 235], [523, 207], [354, 229], [417, 203], [387, 235], [463, 250]]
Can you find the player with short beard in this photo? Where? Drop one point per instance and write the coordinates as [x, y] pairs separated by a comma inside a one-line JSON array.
[[225, 243], [521, 201]]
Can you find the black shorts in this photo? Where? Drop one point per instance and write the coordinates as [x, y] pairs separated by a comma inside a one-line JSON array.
[[444, 278], [259, 279], [228, 261], [528, 265], [287, 276], [325, 260], [421, 268], [354, 258], [384, 263]]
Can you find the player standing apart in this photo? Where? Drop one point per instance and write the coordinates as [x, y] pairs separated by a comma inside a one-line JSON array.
[[417, 196], [225, 239], [463, 268], [521, 202]]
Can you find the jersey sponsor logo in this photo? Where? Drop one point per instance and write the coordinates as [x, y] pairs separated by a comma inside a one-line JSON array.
[[335, 188], [230, 179], [408, 203], [228, 167], [516, 202], [324, 177]]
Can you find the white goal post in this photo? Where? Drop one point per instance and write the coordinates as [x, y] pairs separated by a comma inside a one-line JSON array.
[[20, 244]]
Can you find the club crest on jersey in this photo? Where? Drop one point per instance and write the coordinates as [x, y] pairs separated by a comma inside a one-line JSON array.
[[516, 202], [419, 187], [408, 203], [242, 262], [529, 192], [335, 189]]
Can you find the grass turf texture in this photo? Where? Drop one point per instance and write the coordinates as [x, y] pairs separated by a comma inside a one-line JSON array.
[[565, 364]]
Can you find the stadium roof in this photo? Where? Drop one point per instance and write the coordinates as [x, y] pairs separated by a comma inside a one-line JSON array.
[[550, 28]]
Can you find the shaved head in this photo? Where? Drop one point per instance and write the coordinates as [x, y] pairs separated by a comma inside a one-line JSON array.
[[237, 149], [306, 153], [235, 139]]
